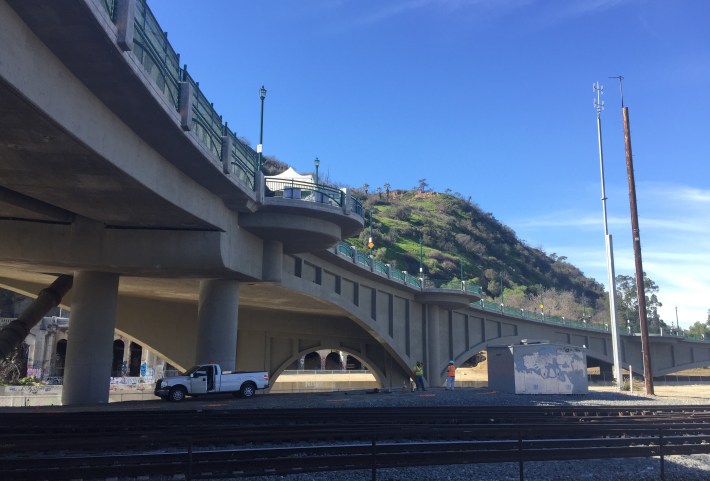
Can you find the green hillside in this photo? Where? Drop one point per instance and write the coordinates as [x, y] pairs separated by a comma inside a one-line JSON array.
[[449, 234]]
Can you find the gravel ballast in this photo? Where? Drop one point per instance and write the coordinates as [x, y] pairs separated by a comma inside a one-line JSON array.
[[685, 468]]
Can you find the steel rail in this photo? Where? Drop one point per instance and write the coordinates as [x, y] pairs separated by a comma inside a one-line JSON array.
[[518, 445]]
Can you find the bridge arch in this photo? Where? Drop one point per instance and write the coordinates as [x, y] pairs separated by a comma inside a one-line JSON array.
[[370, 364]]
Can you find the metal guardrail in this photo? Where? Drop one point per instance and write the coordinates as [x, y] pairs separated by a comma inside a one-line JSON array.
[[413, 281], [110, 6], [162, 64], [206, 123], [159, 60], [366, 261], [306, 191], [357, 207], [395, 274], [362, 259], [534, 316], [243, 160]]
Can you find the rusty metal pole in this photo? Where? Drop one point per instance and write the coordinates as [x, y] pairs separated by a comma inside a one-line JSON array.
[[640, 288]]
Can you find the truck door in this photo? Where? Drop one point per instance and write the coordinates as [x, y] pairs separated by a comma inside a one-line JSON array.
[[198, 381]]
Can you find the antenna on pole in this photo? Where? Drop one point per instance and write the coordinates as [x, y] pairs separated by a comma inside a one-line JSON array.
[[615, 341], [598, 102], [621, 88]]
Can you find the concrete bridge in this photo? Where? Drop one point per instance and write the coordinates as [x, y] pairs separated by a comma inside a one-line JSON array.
[[115, 168]]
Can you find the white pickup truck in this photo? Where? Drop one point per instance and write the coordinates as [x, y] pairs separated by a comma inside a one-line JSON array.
[[209, 379]]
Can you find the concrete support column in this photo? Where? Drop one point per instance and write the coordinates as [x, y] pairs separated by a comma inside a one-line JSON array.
[[217, 320], [87, 370], [343, 359], [272, 261], [126, 361], [33, 350], [149, 360], [48, 352], [434, 363]]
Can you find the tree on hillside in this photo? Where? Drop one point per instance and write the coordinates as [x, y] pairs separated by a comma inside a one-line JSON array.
[[699, 329], [628, 305], [270, 165], [453, 231]]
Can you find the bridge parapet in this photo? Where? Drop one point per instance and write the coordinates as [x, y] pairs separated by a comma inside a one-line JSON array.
[[452, 294]]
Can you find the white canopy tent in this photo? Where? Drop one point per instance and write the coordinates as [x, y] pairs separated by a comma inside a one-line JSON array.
[[290, 174]]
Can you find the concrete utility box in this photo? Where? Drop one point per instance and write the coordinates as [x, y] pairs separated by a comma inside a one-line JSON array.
[[538, 367]]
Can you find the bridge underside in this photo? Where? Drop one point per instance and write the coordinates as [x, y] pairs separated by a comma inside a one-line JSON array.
[[278, 325]]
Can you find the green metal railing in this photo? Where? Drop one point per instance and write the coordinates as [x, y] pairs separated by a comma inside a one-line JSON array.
[[449, 284], [474, 288], [162, 65], [395, 274], [110, 6], [243, 160], [159, 60], [413, 281], [344, 249], [206, 123], [523, 314], [360, 258], [357, 206], [308, 191], [380, 267]]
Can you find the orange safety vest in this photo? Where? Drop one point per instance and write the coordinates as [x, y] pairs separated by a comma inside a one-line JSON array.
[[451, 370]]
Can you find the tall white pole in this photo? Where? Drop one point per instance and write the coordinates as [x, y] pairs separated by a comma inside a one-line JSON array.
[[609, 247]]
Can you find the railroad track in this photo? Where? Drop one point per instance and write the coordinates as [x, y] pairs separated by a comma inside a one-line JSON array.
[[244, 443]]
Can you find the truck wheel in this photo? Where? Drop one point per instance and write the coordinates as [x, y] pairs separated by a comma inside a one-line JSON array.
[[248, 389], [177, 394]]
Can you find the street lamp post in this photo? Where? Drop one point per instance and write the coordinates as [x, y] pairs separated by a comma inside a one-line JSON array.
[[317, 163], [260, 147], [500, 276], [463, 284], [421, 256], [370, 244]]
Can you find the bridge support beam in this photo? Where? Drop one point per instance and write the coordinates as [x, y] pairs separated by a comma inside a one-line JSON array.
[[217, 320], [272, 263], [434, 362], [87, 367]]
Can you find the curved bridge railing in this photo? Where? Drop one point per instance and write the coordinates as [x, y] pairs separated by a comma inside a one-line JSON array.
[[162, 65]]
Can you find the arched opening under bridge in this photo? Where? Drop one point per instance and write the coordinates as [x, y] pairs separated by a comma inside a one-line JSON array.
[[325, 370], [473, 372]]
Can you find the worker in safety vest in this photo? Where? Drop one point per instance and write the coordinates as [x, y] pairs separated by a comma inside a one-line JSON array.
[[450, 375], [418, 371]]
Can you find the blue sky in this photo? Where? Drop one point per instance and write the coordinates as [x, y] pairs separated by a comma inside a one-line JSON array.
[[489, 98]]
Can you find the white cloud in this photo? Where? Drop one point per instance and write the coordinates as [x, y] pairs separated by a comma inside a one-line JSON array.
[[675, 243]]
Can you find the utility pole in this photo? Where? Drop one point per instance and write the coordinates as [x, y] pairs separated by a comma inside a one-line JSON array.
[[616, 350], [636, 236]]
